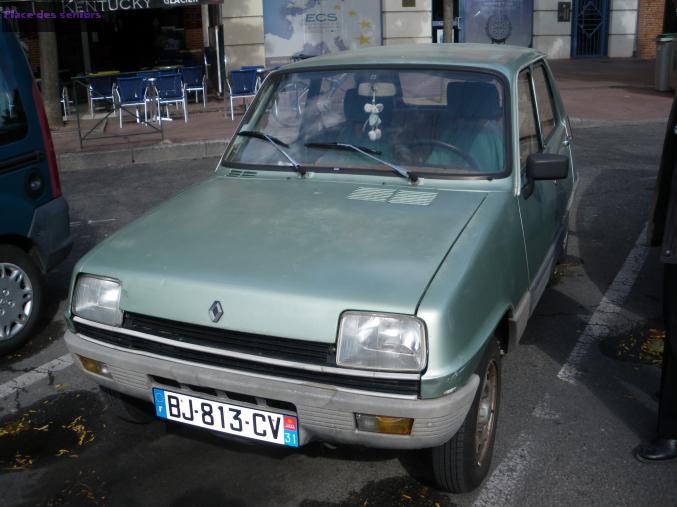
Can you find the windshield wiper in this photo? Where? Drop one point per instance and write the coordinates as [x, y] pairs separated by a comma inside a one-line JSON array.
[[343, 146], [367, 152], [276, 143]]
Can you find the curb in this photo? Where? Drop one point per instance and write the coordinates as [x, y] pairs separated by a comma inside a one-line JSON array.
[[140, 155], [79, 161]]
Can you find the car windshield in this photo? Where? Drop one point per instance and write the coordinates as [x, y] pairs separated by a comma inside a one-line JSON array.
[[438, 122]]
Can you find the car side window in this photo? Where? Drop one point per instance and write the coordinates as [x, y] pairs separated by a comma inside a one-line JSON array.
[[13, 124], [528, 132], [546, 106]]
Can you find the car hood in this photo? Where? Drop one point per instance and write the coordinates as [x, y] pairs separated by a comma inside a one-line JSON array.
[[285, 257]]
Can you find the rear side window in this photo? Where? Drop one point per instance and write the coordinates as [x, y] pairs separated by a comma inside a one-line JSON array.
[[13, 124], [546, 107], [528, 132]]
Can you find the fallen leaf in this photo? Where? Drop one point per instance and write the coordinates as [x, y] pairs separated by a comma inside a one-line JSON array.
[[85, 436], [21, 462]]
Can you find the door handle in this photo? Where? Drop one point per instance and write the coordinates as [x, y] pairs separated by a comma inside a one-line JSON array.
[[567, 141]]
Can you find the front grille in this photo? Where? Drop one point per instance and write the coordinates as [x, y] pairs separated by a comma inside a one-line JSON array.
[[247, 343], [381, 385]]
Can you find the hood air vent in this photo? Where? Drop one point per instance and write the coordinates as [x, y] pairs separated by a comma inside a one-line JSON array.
[[371, 194], [239, 173], [411, 197]]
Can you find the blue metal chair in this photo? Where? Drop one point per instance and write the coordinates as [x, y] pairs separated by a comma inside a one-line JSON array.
[[260, 70], [194, 80], [100, 89], [170, 90], [147, 74], [66, 102], [241, 85], [132, 92]]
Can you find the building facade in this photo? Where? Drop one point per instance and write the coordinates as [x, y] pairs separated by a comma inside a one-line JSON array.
[[561, 29], [128, 35]]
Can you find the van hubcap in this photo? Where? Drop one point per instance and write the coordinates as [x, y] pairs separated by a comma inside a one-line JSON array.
[[486, 412], [16, 300]]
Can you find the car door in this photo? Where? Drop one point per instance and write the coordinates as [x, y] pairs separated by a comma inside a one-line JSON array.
[[555, 134], [539, 200]]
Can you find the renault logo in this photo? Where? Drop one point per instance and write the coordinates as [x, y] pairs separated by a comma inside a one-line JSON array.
[[216, 311]]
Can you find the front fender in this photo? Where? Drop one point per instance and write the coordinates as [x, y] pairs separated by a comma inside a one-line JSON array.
[[483, 277]]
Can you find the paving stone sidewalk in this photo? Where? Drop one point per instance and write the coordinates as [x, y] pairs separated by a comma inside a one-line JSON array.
[[610, 90]]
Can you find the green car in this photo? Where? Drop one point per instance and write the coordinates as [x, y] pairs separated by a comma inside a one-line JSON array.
[[374, 238]]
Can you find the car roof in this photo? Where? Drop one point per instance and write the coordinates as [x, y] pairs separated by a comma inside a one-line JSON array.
[[505, 59]]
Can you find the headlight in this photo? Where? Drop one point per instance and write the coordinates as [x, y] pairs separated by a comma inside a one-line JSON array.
[[380, 341], [97, 299]]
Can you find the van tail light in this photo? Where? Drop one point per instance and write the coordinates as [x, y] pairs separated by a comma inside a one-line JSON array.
[[47, 139]]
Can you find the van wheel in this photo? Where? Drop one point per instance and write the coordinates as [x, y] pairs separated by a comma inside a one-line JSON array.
[[128, 408], [462, 463], [21, 289]]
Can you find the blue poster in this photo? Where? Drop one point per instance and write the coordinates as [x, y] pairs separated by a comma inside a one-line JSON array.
[[314, 27], [497, 21]]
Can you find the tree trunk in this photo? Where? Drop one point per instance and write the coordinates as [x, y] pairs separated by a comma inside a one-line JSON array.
[[448, 20], [49, 71]]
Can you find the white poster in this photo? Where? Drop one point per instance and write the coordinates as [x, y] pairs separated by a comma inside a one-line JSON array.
[[314, 27]]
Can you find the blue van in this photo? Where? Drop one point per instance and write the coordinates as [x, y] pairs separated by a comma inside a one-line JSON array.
[[34, 224]]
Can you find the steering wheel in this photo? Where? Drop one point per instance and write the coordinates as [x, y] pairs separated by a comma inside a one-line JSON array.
[[467, 158], [295, 94]]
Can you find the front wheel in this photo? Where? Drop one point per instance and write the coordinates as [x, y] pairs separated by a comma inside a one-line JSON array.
[[20, 297], [462, 463]]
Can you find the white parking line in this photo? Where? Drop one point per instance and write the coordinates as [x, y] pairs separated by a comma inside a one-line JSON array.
[[500, 487], [36, 374], [608, 310], [93, 222], [508, 475]]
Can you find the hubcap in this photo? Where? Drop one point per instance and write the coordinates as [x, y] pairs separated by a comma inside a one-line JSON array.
[[486, 412], [16, 300]]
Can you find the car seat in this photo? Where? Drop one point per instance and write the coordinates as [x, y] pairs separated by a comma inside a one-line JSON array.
[[474, 125], [355, 130]]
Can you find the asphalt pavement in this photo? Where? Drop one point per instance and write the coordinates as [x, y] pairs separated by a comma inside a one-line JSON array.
[[578, 393]]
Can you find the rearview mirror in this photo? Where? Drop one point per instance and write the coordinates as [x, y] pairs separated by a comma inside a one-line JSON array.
[[547, 166], [379, 89]]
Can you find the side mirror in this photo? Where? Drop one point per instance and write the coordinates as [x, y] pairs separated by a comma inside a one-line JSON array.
[[544, 166], [547, 166]]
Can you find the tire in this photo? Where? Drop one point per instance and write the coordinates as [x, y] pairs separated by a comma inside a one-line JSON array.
[[128, 408], [21, 297], [457, 465]]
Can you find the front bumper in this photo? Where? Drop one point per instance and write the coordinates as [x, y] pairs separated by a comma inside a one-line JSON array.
[[325, 413], [50, 232]]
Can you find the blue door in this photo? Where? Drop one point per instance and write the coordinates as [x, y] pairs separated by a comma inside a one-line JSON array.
[[590, 28]]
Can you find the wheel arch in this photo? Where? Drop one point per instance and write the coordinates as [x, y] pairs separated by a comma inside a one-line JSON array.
[[25, 244], [502, 332]]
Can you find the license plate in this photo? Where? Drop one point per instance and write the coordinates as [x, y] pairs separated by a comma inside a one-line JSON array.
[[225, 418]]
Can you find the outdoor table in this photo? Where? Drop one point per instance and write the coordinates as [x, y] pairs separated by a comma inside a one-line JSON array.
[[153, 98]]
